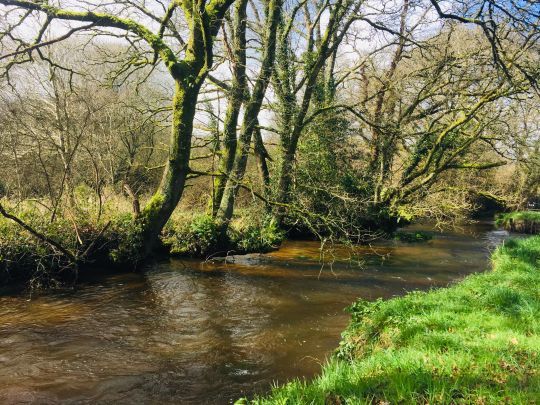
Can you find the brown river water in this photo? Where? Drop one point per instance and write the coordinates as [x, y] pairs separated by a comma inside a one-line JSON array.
[[187, 332]]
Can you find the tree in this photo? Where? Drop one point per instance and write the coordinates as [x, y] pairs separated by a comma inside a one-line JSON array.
[[250, 119], [203, 20]]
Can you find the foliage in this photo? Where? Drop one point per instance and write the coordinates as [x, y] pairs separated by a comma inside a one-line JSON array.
[[263, 236], [520, 221], [474, 342], [125, 240], [22, 258], [202, 236], [113, 241], [25, 258], [198, 237]]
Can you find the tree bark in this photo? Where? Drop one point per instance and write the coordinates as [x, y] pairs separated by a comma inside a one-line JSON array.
[[159, 209], [250, 121], [236, 96]]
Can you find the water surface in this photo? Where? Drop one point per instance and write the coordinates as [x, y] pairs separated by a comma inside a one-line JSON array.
[[194, 332]]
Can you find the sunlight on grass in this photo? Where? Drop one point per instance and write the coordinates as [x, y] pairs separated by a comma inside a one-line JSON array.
[[475, 342]]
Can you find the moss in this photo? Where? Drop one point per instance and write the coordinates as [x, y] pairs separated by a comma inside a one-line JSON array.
[[475, 342], [152, 208]]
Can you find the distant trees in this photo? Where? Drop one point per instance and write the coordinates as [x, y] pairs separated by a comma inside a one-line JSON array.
[[61, 132]]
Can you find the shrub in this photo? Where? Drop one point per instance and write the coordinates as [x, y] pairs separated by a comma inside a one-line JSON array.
[[198, 237], [23, 257], [258, 237], [124, 239]]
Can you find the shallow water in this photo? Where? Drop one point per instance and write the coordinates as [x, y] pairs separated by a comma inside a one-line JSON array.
[[192, 332]]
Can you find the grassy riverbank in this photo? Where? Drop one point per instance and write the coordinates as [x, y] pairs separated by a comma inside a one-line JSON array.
[[475, 342], [520, 221]]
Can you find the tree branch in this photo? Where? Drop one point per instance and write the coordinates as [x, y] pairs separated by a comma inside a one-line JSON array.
[[109, 21], [55, 245]]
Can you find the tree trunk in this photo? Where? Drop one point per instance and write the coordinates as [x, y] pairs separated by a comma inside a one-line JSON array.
[[236, 96], [251, 122], [162, 204], [262, 154]]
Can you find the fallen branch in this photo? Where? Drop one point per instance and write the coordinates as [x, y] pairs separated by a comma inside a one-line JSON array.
[[45, 239]]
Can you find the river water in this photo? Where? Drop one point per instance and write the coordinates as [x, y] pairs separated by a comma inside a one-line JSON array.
[[188, 332]]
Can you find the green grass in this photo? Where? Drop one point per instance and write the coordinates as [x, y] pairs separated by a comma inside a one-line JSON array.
[[520, 221], [477, 341]]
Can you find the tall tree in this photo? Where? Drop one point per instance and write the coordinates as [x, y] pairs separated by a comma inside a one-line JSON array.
[[253, 106], [188, 68]]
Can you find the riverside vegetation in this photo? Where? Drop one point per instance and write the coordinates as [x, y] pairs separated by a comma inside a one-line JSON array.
[[225, 125], [474, 342], [520, 221], [113, 242]]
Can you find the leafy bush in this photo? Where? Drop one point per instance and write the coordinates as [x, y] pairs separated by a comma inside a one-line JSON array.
[[258, 237], [202, 236], [125, 241], [198, 237]]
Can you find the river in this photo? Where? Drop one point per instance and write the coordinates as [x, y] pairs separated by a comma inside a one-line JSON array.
[[192, 332]]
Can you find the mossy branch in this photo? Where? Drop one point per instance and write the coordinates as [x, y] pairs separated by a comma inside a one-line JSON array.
[[108, 21]]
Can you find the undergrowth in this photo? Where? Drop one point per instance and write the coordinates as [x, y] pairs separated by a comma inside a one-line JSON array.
[[520, 221], [115, 241], [201, 236]]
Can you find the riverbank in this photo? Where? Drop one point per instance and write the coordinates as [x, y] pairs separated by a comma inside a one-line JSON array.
[[42, 253], [474, 342], [520, 221]]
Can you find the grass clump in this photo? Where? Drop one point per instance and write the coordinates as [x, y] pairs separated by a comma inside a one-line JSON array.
[[520, 221], [475, 342]]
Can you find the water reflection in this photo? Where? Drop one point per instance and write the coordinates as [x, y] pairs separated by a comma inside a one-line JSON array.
[[191, 332]]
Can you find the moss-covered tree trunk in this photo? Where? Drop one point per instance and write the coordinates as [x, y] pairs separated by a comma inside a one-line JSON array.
[[250, 121], [205, 20], [237, 93], [159, 209], [294, 114]]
